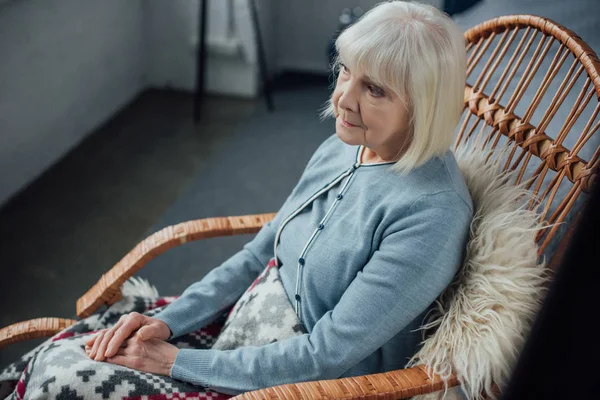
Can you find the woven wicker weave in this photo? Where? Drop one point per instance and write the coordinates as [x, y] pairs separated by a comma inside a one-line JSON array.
[[518, 51], [33, 329], [505, 56]]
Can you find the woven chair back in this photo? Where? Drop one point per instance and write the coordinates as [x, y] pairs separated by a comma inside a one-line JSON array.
[[533, 89]]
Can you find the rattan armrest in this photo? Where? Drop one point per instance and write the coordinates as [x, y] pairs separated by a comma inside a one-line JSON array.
[[108, 288], [400, 384], [33, 328]]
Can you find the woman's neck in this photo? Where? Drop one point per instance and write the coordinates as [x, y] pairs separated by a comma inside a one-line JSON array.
[[369, 156]]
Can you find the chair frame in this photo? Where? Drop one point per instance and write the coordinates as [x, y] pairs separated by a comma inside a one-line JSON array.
[[391, 385]]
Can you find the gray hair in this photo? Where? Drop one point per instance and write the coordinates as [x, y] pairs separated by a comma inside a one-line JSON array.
[[418, 52]]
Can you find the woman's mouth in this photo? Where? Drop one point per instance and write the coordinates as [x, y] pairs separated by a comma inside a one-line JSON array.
[[346, 123]]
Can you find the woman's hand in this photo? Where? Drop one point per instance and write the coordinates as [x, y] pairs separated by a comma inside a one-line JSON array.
[[153, 355], [107, 342]]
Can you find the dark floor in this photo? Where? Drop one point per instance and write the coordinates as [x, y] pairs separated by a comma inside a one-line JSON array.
[[149, 167], [61, 233]]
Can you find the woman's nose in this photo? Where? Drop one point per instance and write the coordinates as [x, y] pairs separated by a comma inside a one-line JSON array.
[[349, 98]]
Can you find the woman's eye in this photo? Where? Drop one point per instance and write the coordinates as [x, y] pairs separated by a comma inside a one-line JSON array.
[[343, 68], [376, 91]]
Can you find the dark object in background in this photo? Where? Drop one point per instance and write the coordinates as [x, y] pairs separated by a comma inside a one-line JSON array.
[[262, 61], [201, 59], [452, 7], [560, 358], [347, 18]]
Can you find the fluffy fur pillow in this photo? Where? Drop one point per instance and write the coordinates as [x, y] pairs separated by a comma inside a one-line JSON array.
[[482, 320]]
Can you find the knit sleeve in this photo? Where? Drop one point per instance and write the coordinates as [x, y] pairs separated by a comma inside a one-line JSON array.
[[415, 261], [204, 301]]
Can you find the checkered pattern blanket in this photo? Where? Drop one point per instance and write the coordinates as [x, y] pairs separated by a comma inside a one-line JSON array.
[[60, 369]]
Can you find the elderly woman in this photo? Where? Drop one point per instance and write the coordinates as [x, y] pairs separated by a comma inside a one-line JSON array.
[[372, 233]]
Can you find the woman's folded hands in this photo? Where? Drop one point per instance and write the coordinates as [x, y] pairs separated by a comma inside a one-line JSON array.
[[136, 341]]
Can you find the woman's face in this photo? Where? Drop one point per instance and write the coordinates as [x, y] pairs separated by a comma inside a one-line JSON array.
[[369, 115]]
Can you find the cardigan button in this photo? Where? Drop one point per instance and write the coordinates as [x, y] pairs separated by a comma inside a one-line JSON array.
[[320, 227], [340, 196], [301, 261], [297, 297]]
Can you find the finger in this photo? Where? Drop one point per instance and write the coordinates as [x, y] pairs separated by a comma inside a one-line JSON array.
[[101, 354], [96, 341], [145, 332], [153, 330], [93, 336], [94, 350], [97, 338], [119, 338], [130, 324], [91, 340], [88, 348]]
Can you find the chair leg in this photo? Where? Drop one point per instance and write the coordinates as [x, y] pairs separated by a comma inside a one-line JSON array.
[[200, 60], [262, 61]]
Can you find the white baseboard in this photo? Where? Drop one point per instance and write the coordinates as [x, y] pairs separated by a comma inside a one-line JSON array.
[[231, 76]]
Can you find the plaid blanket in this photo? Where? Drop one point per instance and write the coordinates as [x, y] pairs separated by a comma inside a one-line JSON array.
[[60, 369]]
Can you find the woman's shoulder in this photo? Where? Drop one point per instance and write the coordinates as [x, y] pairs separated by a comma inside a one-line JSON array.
[[438, 182], [436, 187], [455, 184]]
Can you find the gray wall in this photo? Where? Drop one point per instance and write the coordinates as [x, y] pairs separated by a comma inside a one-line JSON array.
[[169, 28], [171, 37], [66, 66], [304, 29], [268, 14]]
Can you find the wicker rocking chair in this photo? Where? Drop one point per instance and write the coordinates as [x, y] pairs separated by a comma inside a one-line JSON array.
[[509, 59]]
